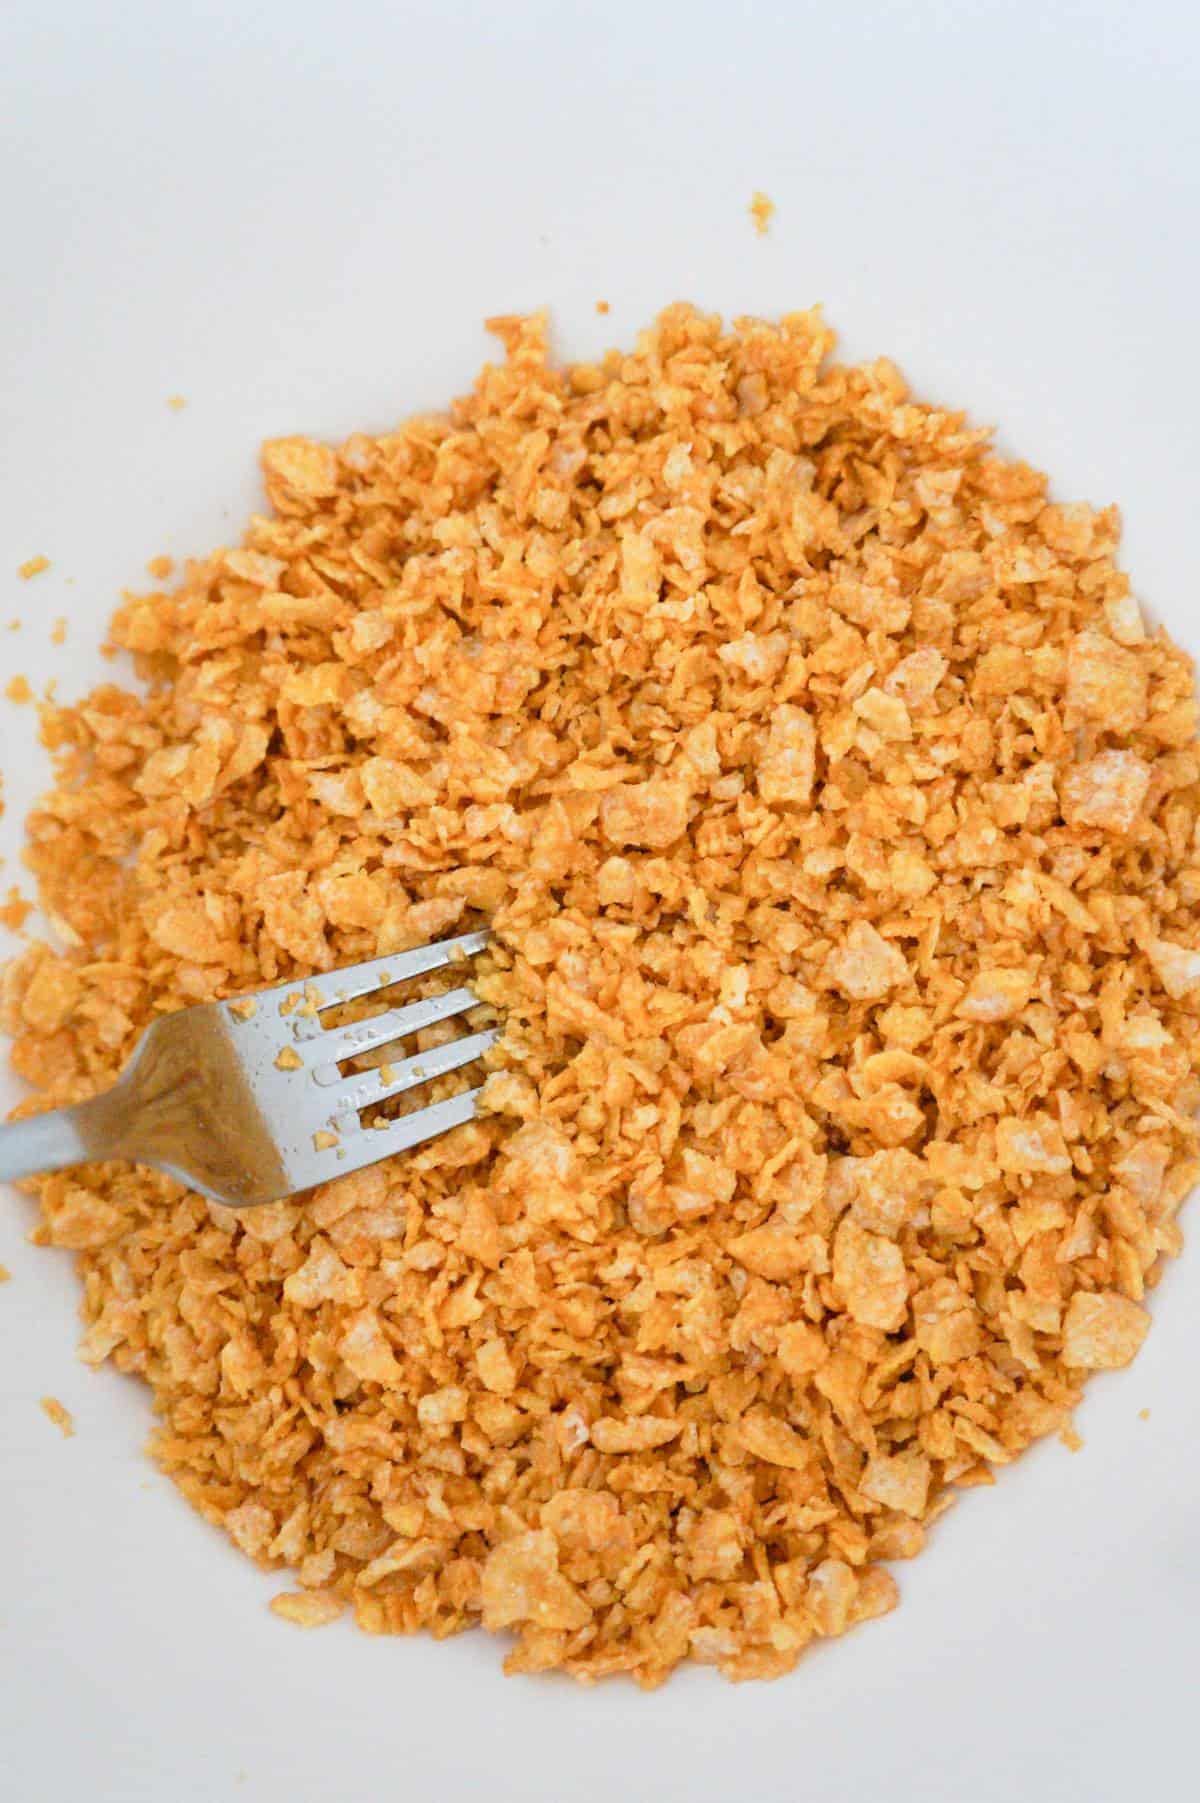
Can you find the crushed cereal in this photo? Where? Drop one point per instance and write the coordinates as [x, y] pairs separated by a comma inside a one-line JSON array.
[[836, 817]]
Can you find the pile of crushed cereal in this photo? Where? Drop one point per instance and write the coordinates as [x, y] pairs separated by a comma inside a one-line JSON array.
[[836, 814]]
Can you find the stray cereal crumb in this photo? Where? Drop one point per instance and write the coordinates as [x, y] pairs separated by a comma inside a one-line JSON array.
[[288, 1059], [1143, 1414], [59, 635], [15, 910], [161, 567], [762, 210], [245, 1008], [176, 403], [834, 816], [33, 566], [1070, 1437], [323, 1140], [60, 1415], [18, 690], [603, 306], [307, 1608], [5, 1274]]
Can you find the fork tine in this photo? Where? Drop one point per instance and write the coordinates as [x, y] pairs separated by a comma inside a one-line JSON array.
[[340, 1043], [353, 980], [369, 1144], [422, 1067]]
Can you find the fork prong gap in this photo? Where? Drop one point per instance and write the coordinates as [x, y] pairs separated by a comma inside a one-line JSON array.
[[341, 1043], [363, 1090]]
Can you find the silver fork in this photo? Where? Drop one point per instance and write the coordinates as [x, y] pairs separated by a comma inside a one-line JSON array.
[[243, 1100]]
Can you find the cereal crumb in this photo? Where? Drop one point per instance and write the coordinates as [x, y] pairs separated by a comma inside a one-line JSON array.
[[18, 690], [307, 1608], [176, 403], [1143, 1414], [15, 910], [59, 634], [323, 1140], [61, 1416], [602, 306], [161, 567], [1070, 1437], [33, 566], [762, 210], [288, 1059], [5, 1274], [245, 1008]]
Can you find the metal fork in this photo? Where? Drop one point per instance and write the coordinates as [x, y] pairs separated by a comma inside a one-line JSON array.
[[243, 1100]]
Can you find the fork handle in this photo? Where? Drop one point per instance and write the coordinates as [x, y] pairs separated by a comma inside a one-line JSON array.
[[45, 1142]]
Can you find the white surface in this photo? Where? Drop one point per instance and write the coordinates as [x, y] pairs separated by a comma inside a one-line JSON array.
[[297, 219]]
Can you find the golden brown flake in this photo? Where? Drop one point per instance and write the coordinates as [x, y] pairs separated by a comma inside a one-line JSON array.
[[33, 566], [307, 1608], [61, 1416], [762, 211], [1102, 1333], [835, 815], [15, 910]]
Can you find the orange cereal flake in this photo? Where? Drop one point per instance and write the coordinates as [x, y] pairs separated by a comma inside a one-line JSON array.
[[18, 690], [60, 1415], [33, 566], [15, 910], [762, 211], [834, 815], [307, 1609]]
